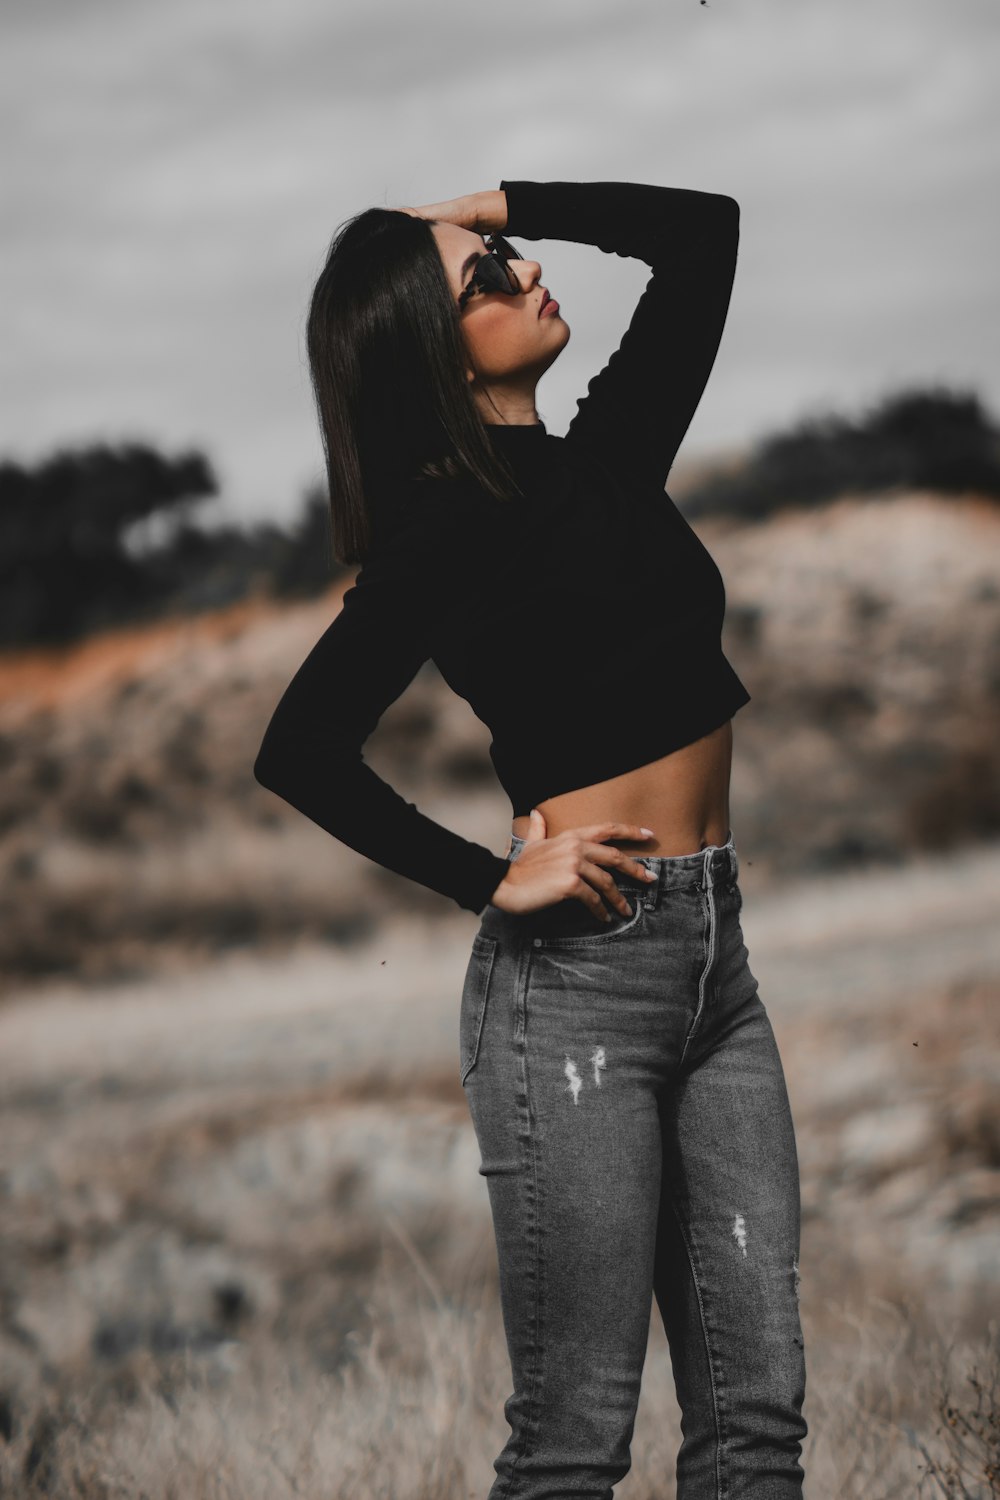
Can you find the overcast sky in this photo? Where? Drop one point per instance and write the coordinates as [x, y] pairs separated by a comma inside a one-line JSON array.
[[178, 170]]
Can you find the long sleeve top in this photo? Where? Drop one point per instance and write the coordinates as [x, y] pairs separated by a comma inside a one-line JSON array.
[[581, 623]]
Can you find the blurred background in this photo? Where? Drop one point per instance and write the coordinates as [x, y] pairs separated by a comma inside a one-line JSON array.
[[244, 1247]]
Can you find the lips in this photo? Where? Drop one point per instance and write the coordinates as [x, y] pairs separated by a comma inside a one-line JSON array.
[[545, 298]]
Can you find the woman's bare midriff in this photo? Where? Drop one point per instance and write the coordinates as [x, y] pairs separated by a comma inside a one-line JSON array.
[[683, 797]]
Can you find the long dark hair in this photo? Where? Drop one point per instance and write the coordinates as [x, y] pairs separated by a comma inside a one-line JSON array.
[[387, 362]]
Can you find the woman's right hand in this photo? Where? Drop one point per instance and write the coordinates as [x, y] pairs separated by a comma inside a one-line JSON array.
[[571, 864], [485, 213]]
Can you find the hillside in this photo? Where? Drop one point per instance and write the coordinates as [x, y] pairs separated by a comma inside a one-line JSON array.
[[868, 633]]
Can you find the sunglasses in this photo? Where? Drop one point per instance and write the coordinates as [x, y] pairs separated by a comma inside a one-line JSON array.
[[491, 272]]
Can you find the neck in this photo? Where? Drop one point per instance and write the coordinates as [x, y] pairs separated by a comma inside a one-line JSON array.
[[508, 408]]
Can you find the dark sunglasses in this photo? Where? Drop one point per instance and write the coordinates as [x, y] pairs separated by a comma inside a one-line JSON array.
[[491, 273]]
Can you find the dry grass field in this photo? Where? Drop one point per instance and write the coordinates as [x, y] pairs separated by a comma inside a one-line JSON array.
[[246, 1250]]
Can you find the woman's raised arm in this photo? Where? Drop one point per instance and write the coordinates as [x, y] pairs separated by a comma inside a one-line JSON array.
[[639, 406]]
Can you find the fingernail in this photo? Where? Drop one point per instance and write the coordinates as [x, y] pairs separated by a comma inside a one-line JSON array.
[[647, 831]]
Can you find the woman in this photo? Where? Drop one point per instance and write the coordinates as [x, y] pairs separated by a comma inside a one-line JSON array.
[[620, 1068]]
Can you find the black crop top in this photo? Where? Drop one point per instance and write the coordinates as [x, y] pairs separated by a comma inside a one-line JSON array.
[[582, 623]]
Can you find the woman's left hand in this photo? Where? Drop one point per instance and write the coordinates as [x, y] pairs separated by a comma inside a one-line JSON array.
[[484, 213]]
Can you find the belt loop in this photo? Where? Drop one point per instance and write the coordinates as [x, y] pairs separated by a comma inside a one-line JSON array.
[[707, 879]]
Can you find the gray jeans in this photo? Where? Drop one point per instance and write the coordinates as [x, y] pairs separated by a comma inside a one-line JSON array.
[[635, 1135]]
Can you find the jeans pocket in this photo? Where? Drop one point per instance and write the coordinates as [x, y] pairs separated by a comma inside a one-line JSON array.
[[475, 993], [572, 924]]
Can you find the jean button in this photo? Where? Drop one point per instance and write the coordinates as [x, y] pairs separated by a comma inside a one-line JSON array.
[[537, 942]]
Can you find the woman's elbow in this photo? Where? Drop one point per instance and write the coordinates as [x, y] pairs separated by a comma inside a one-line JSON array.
[[269, 767], [298, 762], [730, 209], [262, 774]]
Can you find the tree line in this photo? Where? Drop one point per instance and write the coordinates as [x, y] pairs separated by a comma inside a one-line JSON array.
[[924, 438], [105, 534]]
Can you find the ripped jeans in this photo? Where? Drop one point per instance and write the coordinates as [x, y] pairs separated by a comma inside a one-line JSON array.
[[636, 1138]]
